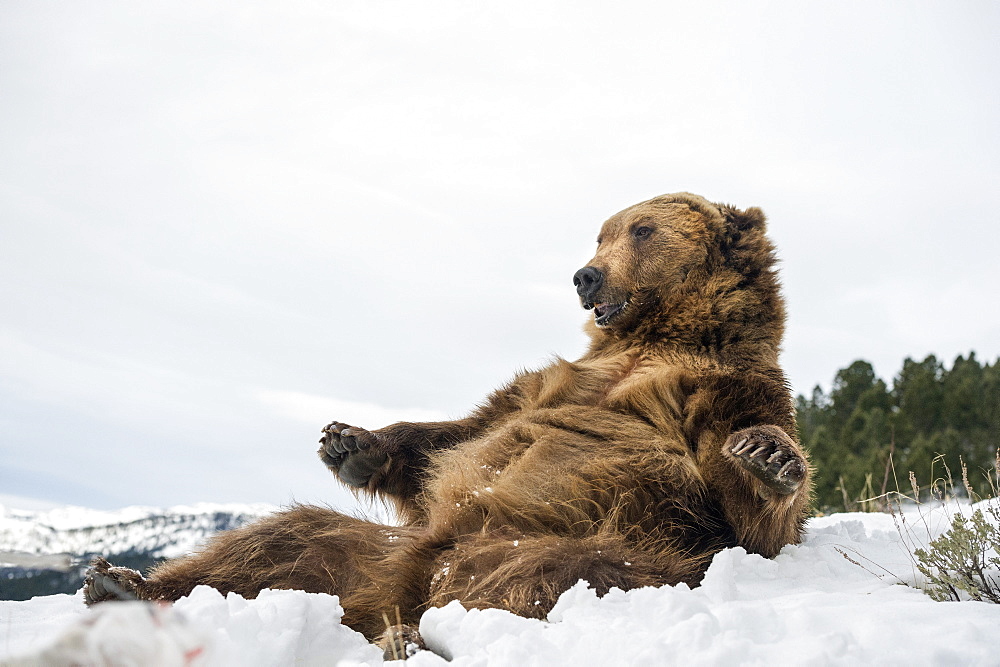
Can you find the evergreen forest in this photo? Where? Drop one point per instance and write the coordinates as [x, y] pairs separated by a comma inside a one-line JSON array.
[[930, 420]]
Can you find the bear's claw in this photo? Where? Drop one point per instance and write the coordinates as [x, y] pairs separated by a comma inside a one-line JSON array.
[[767, 453]]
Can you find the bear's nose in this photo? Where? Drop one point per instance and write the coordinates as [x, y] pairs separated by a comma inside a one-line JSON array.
[[588, 281]]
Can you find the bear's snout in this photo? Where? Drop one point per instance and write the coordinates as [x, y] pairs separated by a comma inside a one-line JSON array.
[[588, 281]]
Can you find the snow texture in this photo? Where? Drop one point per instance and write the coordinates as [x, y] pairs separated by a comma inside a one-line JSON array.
[[809, 605]]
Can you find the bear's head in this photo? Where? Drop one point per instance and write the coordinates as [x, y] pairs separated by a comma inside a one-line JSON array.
[[679, 256]]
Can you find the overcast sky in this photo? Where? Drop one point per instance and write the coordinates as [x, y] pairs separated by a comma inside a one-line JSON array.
[[223, 224]]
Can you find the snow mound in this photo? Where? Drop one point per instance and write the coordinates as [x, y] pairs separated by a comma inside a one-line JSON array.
[[835, 599], [809, 605], [205, 628]]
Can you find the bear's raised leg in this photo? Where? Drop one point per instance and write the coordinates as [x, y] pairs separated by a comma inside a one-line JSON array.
[[761, 477], [527, 574], [304, 548]]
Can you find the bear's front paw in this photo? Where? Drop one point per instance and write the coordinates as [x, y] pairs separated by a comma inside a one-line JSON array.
[[767, 453], [351, 453], [106, 582]]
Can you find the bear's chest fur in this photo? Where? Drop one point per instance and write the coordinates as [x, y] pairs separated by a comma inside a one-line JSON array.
[[585, 428]]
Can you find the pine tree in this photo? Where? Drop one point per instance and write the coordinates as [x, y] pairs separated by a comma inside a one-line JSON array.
[[931, 419]]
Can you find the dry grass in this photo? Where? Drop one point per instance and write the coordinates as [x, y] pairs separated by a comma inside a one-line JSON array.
[[963, 562]]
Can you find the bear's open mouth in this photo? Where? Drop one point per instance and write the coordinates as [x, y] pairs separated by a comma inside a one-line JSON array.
[[605, 312]]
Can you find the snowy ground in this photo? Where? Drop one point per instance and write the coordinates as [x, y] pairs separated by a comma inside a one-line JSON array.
[[810, 605]]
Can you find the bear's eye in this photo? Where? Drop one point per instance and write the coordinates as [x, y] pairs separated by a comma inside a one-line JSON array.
[[642, 232]]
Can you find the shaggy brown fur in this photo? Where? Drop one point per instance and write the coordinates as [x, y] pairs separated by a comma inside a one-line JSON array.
[[673, 437]]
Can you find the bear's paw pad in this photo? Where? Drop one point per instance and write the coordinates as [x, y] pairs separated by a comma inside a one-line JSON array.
[[348, 451], [767, 453]]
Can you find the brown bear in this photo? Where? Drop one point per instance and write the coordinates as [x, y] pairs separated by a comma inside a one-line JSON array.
[[672, 438]]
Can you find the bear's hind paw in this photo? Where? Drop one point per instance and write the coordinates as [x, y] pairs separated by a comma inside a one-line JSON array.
[[106, 582]]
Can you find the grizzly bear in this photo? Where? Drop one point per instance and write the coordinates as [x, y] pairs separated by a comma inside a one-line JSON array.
[[672, 438]]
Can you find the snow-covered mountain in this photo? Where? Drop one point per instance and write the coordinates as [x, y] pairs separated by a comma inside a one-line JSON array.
[[44, 552]]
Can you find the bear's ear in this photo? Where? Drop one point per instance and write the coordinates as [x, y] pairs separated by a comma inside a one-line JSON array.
[[743, 221]]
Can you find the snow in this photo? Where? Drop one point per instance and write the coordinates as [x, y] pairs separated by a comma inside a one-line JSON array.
[[809, 605], [205, 628]]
